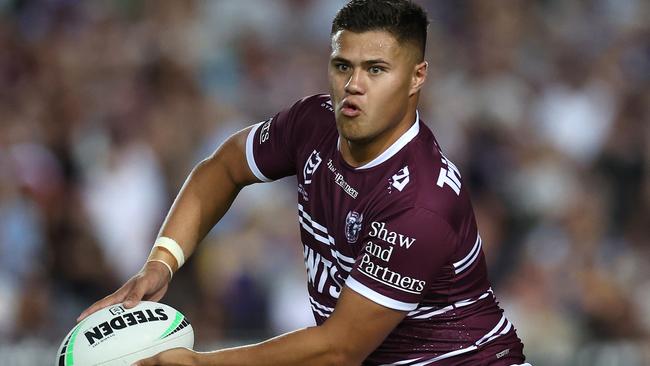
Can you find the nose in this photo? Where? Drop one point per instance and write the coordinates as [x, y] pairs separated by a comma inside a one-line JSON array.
[[355, 83]]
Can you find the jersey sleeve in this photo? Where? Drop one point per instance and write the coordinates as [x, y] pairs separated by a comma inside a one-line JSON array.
[[271, 145], [401, 256]]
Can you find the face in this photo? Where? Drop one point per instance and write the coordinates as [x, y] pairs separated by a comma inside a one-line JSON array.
[[374, 82]]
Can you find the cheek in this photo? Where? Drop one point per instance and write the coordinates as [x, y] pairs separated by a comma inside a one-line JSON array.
[[393, 90], [335, 82]]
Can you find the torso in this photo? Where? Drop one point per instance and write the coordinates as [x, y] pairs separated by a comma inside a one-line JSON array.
[[399, 230]]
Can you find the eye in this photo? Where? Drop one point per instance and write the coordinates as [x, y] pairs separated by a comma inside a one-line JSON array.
[[342, 67], [375, 70]]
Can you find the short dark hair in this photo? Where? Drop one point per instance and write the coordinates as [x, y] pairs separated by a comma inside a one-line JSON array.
[[405, 20]]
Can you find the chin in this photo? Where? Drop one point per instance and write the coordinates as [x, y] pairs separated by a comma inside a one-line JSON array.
[[357, 137]]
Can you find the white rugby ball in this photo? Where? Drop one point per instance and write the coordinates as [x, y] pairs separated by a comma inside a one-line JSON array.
[[118, 336]]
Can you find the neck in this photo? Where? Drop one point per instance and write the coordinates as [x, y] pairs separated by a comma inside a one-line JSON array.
[[359, 153]]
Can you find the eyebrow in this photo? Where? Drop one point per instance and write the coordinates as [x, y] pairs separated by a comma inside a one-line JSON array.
[[365, 62]]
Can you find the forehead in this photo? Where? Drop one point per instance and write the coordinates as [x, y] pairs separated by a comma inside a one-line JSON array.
[[365, 45]]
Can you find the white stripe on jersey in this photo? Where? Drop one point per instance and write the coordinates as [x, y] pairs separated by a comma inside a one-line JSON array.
[[428, 312], [250, 157], [380, 299], [316, 225], [309, 229], [315, 310], [321, 234], [403, 362], [464, 263], [502, 328], [318, 305]]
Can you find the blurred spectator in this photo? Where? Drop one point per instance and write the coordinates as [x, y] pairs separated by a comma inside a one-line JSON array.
[[105, 106]]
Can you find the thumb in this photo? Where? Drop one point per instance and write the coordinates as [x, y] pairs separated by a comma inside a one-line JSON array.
[[141, 363], [151, 361]]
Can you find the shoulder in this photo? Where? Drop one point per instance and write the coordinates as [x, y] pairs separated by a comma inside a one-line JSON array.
[[300, 120], [317, 105], [430, 182]]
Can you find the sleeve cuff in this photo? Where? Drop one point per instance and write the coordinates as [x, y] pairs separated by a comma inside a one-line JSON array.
[[378, 298], [250, 158]]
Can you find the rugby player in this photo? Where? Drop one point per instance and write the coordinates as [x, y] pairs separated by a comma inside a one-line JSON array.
[[396, 271]]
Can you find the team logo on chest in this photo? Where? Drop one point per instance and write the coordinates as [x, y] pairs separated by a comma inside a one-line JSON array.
[[353, 226], [311, 165]]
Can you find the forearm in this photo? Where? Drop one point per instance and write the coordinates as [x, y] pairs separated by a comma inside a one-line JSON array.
[[200, 204], [309, 346], [206, 195]]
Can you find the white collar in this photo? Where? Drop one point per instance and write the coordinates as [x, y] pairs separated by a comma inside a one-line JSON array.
[[395, 147]]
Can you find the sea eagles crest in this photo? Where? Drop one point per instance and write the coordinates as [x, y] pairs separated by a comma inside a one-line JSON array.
[[353, 226]]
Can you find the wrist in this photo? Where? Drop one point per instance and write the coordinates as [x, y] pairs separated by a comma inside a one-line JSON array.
[[199, 358], [168, 253], [161, 266]]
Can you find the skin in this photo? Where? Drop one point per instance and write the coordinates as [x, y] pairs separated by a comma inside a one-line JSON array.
[[382, 77]]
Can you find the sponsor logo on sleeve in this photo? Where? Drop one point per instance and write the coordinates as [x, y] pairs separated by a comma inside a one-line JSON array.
[[450, 176], [328, 105], [371, 265], [378, 230], [378, 251], [303, 192], [265, 131], [310, 167], [353, 226], [376, 258]]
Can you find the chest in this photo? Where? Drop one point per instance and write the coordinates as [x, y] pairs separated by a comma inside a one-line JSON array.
[[336, 204]]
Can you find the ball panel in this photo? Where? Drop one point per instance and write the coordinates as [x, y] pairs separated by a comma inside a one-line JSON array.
[[184, 340], [115, 332]]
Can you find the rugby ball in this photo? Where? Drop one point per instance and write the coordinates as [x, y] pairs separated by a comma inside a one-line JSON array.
[[118, 336]]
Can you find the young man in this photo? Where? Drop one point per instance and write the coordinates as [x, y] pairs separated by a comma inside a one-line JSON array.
[[394, 261]]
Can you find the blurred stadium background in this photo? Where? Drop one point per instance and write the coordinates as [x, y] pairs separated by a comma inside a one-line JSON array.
[[106, 105]]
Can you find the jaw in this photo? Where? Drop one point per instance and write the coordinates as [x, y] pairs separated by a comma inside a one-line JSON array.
[[351, 128]]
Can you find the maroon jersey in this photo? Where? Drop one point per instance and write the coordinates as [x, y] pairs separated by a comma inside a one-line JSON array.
[[399, 230]]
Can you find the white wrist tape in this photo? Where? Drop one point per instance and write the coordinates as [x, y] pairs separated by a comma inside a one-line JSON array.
[[172, 246], [171, 271]]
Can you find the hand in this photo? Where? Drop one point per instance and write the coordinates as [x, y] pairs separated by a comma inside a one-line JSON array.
[[149, 284], [172, 357]]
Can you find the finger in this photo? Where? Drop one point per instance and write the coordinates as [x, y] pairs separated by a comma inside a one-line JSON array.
[[156, 296], [136, 294], [174, 356], [151, 361], [114, 298]]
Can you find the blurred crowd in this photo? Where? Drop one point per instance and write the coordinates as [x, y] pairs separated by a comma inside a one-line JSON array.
[[105, 107]]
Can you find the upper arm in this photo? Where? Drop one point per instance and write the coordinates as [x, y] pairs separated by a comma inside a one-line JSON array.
[[358, 326], [267, 150], [262, 152], [232, 155]]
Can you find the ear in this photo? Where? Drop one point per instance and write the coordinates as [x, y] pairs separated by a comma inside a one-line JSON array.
[[419, 76]]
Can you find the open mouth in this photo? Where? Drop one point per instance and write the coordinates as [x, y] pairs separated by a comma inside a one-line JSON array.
[[350, 109]]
